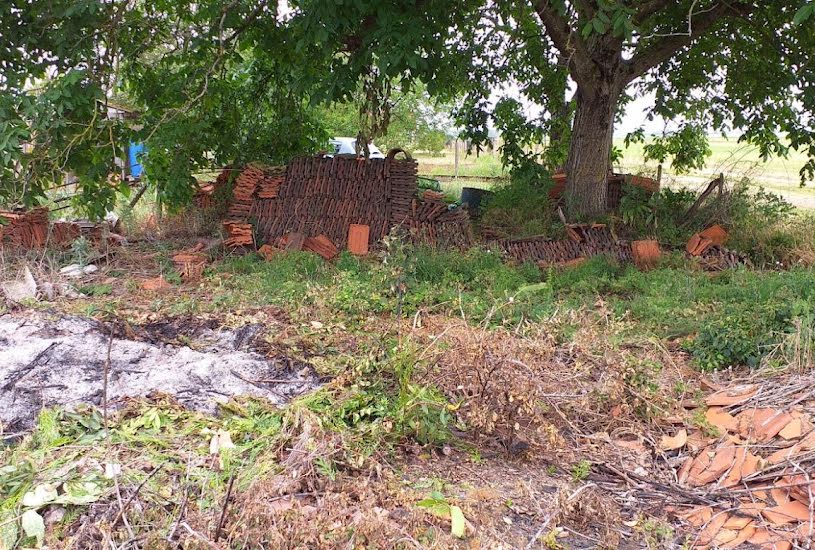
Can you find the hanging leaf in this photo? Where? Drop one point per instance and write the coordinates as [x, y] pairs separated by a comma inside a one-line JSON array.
[[803, 13]]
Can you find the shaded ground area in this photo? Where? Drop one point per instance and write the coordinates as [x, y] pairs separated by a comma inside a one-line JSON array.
[[61, 360]]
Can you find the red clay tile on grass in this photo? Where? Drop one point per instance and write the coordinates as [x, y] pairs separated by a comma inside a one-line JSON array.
[[358, 239]]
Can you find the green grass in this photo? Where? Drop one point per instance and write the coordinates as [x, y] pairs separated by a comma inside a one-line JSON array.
[[735, 317], [735, 160], [752, 310]]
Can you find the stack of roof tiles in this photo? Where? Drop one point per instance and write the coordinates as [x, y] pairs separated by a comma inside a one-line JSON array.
[[584, 241], [324, 198], [432, 221], [27, 229]]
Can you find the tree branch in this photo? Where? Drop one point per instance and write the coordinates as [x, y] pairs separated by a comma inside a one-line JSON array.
[[665, 48], [647, 9], [567, 41], [587, 7]]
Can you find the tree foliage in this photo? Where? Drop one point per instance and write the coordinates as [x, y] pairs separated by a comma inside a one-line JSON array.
[[219, 82], [416, 122]]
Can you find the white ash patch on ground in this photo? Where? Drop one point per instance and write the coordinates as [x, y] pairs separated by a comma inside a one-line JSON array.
[[48, 361]]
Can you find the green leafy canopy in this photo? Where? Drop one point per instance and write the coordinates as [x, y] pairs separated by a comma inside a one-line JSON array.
[[213, 82]]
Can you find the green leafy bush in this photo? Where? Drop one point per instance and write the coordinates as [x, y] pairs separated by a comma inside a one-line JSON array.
[[731, 340], [520, 208]]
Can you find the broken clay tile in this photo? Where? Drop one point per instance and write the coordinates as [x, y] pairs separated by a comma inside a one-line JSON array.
[[293, 241], [737, 522], [632, 444], [805, 531], [725, 536], [267, 251], [322, 246], [789, 512], [710, 465], [155, 284], [781, 455], [708, 384], [731, 396], [800, 488], [780, 495], [712, 528], [700, 464], [684, 471], [358, 239], [751, 509], [677, 441], [745, 534], [808, 442], [721, 419], [573, 234], [697, 245], [698, 440], [697, 516], [645, 253], [716, 233], [762, 424], [693, 243], [767, 539], [793, 430], [744, 464], [720, 463]]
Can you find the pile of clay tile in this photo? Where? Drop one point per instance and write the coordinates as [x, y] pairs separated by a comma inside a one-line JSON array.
[[190, 264], [583, 241], [207, 193], [325, 196], [708, 246], [30, 229], [326, 204], [25, 229], [432, 221], [757, 477]]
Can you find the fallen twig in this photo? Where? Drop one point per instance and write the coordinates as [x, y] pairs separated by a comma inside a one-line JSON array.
[[199, 536], [105, 382], [18, 374], [123, 508], [223, 509]]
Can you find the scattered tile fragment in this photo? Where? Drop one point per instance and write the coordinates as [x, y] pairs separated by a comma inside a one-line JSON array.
[[762, 424], [677, 441], [721, 419], [731, 396], [792, 511]]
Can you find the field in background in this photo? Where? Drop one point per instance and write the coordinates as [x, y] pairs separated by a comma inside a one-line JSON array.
[[735, 160]]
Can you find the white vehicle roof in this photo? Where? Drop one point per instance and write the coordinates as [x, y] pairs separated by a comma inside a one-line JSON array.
[[348, 146]]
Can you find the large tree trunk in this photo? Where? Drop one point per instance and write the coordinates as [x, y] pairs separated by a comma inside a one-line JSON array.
[[589, 162]]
